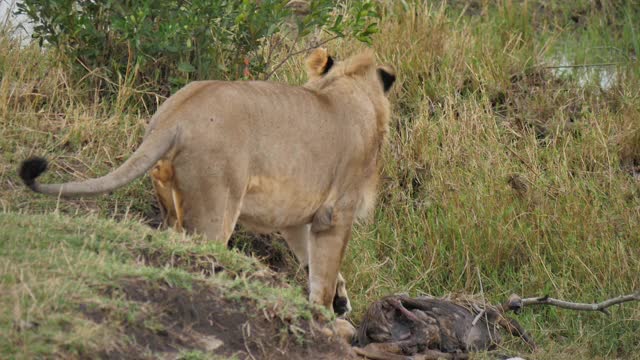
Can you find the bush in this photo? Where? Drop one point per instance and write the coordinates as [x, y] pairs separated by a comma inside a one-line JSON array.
[[161, 45]]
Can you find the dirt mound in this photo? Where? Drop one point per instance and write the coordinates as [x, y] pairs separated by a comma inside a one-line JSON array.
[[175, 319], [203, 264]]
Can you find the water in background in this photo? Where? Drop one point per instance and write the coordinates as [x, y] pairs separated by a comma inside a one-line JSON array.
[[605, 76], [18, 25]]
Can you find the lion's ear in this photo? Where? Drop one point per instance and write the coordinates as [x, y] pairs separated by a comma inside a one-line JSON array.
[[387, 77], [327, 65], [318, 63]]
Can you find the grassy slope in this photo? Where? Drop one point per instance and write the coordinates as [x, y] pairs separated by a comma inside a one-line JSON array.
[[496, 172], [69, 288]]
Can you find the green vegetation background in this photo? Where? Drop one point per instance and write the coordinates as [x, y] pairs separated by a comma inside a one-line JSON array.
[[501, 175]]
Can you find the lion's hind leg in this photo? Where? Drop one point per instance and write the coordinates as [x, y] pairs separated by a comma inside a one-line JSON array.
[[168, 194], [176, 195], [341, 302], [326, 250], [297, 238], [213, 203]]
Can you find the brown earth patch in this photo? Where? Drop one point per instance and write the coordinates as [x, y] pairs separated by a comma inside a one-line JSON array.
[[191, 262], [206, 265], [271, 249], [173, 319]]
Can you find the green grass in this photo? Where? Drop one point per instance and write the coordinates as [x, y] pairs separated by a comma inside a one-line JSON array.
[[472, 111], [476, 113], [55, 268]]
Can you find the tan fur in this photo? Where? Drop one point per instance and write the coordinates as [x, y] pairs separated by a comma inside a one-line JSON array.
[[269, 156], [162, 173], [168, 194], [342, 329], [316, 63]]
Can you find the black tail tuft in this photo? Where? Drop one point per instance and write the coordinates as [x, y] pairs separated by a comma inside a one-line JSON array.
[[30, 169]]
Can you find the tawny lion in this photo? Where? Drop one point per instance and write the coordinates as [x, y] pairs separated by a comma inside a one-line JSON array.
[[299, 159], [165, 184]]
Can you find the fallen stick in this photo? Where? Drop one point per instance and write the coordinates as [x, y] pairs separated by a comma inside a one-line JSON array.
[[602, 306]]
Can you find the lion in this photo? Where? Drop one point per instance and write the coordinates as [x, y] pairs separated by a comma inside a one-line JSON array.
[[169, 195], [167, 191], [302, 160]]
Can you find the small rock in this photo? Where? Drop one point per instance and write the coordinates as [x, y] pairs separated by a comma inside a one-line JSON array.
[[23, 325]]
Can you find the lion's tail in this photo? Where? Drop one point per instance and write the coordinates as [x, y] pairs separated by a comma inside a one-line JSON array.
[[151, 150]]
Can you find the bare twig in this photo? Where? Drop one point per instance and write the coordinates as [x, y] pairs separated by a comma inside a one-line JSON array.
[[484, 301], [94, 72], [582, 65], [291, 54], [273, 44], [481, 313], [246, 333], [602, 307], [523, 161]]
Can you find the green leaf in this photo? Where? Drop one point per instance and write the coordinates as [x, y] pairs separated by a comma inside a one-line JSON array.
[[170, 34], [338, 21], [371, 29], [186, 67]]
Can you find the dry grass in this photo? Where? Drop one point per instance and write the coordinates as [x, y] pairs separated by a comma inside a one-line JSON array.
[[498, 167], [44, 112], [497, 171]]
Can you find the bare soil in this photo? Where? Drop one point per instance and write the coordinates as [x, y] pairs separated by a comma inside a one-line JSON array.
[[175, 319]]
